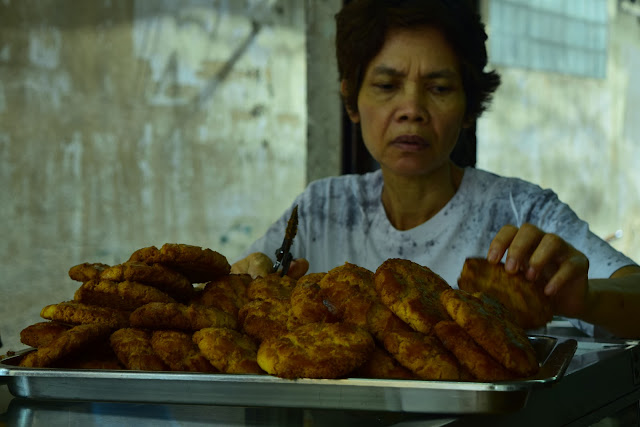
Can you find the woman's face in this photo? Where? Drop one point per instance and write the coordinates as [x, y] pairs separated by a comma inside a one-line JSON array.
[[411, 104]]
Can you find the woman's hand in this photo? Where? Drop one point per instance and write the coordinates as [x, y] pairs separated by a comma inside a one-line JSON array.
[[545, 256], [259, 264]]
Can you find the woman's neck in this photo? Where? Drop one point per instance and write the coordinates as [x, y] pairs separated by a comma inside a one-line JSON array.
[[411, 201]]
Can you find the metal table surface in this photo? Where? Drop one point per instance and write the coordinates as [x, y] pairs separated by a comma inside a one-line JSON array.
[[601, 385]]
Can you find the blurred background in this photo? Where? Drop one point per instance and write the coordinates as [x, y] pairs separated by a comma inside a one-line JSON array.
[[131, 123]]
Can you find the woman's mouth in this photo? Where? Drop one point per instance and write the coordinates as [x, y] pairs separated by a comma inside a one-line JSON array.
[[410, 143]]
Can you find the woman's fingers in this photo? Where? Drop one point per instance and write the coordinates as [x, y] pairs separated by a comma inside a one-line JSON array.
[[518, 243], [255, 264], [545, 257], [522, 247], [551, 252], [298, 268], [574, 267], [501, 243]]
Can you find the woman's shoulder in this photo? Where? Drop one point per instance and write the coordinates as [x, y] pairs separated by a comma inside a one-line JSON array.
[[480, 181], [348, 185]]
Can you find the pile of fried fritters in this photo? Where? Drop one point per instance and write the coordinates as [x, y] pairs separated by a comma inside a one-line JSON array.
[[178, 308]]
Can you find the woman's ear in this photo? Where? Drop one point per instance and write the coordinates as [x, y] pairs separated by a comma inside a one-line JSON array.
[[353, 115]]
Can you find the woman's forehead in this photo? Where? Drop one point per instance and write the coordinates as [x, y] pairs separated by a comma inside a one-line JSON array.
[[424, 50]]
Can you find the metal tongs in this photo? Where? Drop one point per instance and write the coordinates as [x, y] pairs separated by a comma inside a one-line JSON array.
[[283, 254]]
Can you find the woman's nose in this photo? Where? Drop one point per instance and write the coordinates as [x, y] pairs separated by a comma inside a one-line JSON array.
[[413, 107]]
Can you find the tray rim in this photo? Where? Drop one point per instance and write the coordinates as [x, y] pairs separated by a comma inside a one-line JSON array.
[[13, 371]]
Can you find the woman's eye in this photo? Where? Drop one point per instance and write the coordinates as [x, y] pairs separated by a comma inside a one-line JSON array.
[[440, 90], [384, 86]]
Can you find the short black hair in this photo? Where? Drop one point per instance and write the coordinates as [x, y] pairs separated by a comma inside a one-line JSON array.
[[363, 25]]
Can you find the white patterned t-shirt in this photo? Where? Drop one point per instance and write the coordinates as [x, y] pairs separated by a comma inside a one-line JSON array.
[[342, 219]]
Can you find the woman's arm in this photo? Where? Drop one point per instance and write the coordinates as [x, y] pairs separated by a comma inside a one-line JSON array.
[[613, 303]]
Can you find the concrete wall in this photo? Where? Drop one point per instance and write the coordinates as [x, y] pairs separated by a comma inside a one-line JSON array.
[[578, 136], [129, 123]]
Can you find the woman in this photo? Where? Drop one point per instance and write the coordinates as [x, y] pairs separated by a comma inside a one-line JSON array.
[[412, 77]]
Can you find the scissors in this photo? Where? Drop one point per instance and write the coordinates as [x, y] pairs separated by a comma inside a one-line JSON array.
[[283, 254]]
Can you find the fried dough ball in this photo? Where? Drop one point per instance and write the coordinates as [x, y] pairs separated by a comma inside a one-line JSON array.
[[230, 351], [159, 315], [424, 355], [87, 271], [470, 355], [525, 299], [198, 264], [262, 319], [502, 339], [412, 292], [42, 334], [179, 352], [308, 303], [122, 295], [78, 313], [383, 365], [155, 275], [133, 348], [74, 340], [349, 294], [316, 350], [227, 293], [272, 286]]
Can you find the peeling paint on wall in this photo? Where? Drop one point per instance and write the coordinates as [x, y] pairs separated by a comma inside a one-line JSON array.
[[44, 47], [125, 124]]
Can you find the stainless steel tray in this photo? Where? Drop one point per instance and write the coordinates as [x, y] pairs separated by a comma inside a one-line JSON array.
[[450, 397]]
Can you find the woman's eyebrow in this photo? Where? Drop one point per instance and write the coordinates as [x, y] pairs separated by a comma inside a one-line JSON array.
[[392, 72]]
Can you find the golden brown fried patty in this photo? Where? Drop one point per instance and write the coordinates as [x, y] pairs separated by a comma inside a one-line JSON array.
[[412, 292], [502, 339], [198, 264], [383, 365], [158, 276], [122, 295], [271, 286], [159, 315], [230, 351], [349, 294], [99, 355], [145, 255], [84, 362], [316, 350], [308, 303], [353, 275], [494, 306], [69, 342], [525, 299], [470, 355], [228, 293], [424, 355], [179, 352], [133, 348], [77, 313], [262, 319], [87, 271], [42, 334]]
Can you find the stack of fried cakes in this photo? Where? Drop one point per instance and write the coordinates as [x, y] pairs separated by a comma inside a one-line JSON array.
[[178, 308]]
